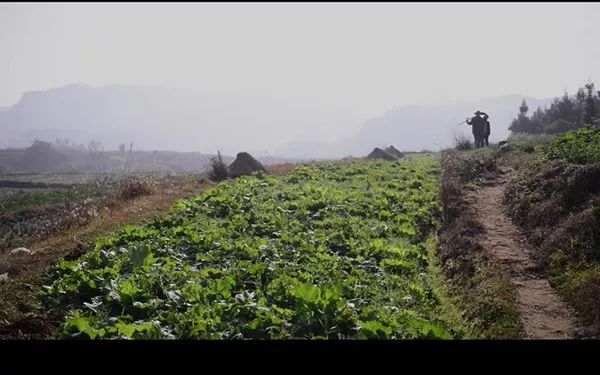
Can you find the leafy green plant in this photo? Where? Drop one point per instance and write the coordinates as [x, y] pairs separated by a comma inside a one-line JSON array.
[[331, 250], [579, 147]]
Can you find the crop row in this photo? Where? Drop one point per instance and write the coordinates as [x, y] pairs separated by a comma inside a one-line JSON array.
[[332, 250]]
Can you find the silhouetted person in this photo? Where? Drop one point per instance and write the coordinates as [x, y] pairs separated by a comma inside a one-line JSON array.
[[486, 130], [478, 124]]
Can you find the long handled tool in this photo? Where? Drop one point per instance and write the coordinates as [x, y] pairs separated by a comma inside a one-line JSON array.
[[461, 122]]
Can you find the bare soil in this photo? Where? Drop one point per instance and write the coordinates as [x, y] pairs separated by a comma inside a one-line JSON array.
[[543, 314]]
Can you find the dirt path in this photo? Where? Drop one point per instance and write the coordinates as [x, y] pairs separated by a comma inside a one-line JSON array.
[[543, 315]]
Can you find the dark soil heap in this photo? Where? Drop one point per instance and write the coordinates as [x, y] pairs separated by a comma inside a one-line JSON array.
[[379, 154], [244, 165], [394, 152]]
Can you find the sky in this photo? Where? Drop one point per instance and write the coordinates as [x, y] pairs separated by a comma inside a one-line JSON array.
[[364, 58]]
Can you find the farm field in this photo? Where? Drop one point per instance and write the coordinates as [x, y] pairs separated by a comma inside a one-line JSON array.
[[18, 191], [330, 250]]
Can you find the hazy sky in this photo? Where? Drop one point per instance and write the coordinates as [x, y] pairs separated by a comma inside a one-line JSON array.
[[359, 57]]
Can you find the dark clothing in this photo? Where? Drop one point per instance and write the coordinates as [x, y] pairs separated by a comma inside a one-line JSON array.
[[478, 124], [479, 141], [486, 132]]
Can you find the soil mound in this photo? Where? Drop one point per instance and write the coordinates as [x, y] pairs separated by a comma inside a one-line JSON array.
[[394, 152], [244, 165], [379, 154]]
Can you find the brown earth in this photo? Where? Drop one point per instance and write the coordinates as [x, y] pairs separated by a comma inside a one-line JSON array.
[[379, 154], [280, 169], [543, 314], [244, 165]]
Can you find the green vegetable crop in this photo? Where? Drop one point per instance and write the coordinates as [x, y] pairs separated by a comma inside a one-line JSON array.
[[332, 250]]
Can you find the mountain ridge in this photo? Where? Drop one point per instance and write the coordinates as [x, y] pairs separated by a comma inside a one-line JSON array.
[[185, 119]]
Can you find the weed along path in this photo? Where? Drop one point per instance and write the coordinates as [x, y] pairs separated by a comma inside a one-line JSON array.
[[543, 314]]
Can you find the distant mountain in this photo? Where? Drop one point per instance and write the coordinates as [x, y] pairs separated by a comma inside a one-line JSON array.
[[415, 128], [157, 118]]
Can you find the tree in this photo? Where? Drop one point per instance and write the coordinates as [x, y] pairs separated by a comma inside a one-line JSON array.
[[567, 110], [537, 117], [559, 126], [573, 112], [563, 108], [523, 108], [590, 104], [523, 124], [42, 157]]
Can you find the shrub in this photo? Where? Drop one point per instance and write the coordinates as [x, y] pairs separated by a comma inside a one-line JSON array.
[[135, 186], [462, 142], [472, 166], [218, 169], [528, 142], [579, 147]]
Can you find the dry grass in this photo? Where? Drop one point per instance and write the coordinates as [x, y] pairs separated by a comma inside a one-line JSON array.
[[135, 186], [462, 142], [280, 169]]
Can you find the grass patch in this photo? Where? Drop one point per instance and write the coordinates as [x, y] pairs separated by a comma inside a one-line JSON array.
[[556, 201]]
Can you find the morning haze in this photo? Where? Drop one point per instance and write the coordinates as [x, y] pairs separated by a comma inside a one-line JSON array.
[[358, 171], [293, 80]]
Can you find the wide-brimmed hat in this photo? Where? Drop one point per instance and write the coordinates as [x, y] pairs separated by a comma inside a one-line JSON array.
[[478, 113]]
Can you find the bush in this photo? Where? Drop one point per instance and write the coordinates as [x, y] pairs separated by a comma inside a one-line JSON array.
[[218, 169], [135, 186], [579, 147], [528, 142], [462, 142]]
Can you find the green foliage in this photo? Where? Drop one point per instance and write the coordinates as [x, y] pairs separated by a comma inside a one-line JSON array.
[[332, 250], [528, 142], [556, 202], [565, 113], [579, 147], [16, 199]]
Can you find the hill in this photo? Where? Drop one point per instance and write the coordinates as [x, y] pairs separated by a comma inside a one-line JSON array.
[[415, 128], [195, 120]]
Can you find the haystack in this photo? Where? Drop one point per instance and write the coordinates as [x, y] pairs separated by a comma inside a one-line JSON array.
[[379, 154], [394, 152], [244, 164]]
